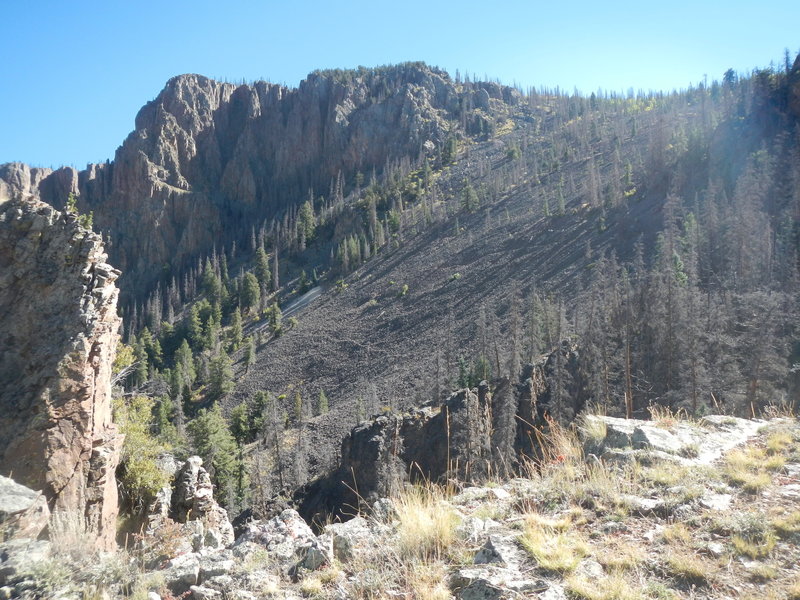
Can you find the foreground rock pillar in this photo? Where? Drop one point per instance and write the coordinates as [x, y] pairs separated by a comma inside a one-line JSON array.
[[58, 335]]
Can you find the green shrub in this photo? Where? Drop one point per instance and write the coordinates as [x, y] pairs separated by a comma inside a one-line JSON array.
[[139, 475]]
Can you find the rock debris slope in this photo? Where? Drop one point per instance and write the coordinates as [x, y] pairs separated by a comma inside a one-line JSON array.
[[57, 343]]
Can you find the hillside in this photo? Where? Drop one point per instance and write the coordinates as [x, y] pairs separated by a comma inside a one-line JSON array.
[[604, 251]]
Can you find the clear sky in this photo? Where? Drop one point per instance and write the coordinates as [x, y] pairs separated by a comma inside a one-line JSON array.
[[75, 73]]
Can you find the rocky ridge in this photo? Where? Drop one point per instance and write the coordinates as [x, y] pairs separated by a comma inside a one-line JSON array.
[[56, 429], [208, 159]]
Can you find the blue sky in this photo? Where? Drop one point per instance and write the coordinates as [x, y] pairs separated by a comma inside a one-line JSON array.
[[74, 74]]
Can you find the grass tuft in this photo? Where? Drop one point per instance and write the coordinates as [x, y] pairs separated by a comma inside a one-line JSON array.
[[554, 550], [427, 524], [608, 588], [688, 568]]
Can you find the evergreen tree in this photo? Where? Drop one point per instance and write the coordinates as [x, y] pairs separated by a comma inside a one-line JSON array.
[[469, 198], [220, 382], [210, 283], [214, 443], [140, 373], [322, 404], [306, 221], [185, 362], [276, 319], [194, 327], [262, 269], [302, 283], [298, 406], [251, 292], [241, 427], [249, 353]]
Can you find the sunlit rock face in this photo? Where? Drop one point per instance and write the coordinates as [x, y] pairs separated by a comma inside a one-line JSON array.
[[58, 336], [209, 160]]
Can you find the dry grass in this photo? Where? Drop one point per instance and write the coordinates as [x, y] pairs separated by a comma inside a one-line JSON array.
[[793, 592], [748, 469], [69, 536], [428, 581], [427, 524], [779, 441], [593, 430], [613, 587], [664, 473], [312, 586], [753, 548], [787, 526], [752, 535], [620, 556], [762, 573], [665, 417], [554, 550], [688, 567], [677, 533]]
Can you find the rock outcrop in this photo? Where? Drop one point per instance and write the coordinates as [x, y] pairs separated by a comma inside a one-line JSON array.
[[184, 517], [58, 338], [424, 444], [208, 159], [23, 512], [193, 500]]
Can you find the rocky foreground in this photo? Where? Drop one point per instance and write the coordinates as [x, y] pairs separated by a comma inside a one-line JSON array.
[[622, 509]]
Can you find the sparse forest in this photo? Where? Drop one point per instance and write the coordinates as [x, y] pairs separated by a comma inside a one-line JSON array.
[[646, 243]]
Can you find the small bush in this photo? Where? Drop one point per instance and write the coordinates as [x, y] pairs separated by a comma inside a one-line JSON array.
[[140, 476], [752, 535]]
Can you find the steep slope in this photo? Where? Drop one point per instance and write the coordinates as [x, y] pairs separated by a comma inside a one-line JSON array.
[[59, 333], [209, 160]]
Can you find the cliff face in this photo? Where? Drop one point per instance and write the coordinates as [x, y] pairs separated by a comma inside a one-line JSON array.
[[57, 344], [207, 160]]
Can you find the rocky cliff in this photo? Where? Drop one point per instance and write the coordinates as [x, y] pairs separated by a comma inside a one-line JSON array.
[[57, 343], [207, 159]]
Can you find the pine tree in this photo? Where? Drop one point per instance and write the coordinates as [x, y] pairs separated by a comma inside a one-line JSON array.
[[185, 361], [211, 284], [251, 292], [306, 221], [322, 404], [298, 406], [220, 382], [194, 326], [276, 319], [262, 269], [249, 353], [469, 198], [212, 440]]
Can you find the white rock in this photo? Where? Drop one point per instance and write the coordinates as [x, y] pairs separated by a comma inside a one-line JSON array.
[[716, 501], [203, 593]]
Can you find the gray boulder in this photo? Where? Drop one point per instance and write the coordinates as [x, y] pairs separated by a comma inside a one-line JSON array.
[[17, 556], [23, 512]]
